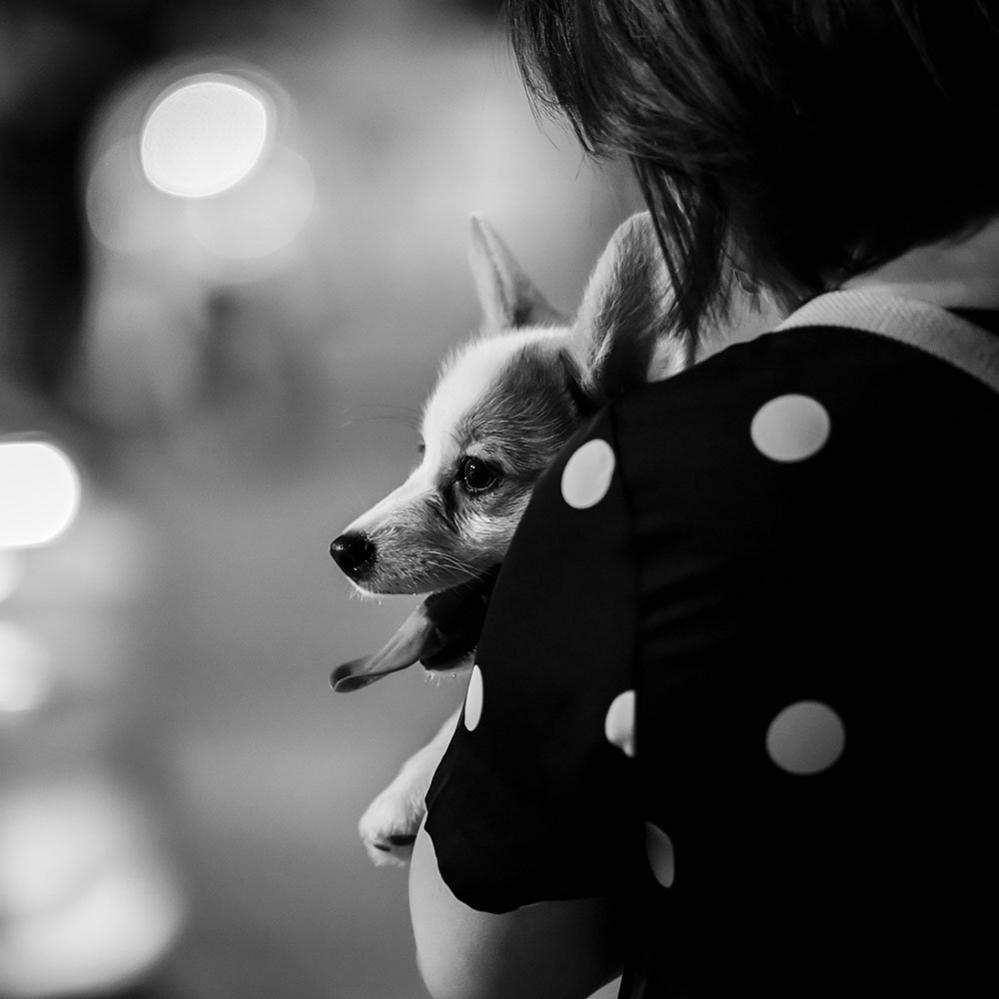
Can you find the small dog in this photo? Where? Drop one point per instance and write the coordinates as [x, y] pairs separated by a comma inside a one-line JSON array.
[[504, 405]]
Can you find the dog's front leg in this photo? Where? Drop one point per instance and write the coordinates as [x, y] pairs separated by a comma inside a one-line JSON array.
[[389, 826]]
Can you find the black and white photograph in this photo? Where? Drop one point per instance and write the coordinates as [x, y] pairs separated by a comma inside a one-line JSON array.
[[496, 498]]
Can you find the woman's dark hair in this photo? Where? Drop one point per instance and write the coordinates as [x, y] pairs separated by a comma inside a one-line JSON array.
[[804, 140]]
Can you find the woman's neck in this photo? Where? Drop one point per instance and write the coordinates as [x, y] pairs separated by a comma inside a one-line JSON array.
[[951, 274]]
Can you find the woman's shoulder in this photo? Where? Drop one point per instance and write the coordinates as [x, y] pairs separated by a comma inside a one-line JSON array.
[[784, 394], [838, 359]]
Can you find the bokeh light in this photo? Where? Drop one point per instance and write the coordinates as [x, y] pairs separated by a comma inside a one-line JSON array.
[[204, 136], [125, 214], [39, 493], [260, 217], [26, 675], [89, 904]]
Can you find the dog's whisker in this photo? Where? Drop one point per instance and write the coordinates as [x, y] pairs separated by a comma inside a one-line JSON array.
[[381, 412], [443, 559]]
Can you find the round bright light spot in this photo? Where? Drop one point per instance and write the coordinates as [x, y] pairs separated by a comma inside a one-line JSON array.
[[204, 136], [806, 738], [790, 428], [659, 852], [619, 725], [587, 474], [473, 700], [39, 493], [26, 678]]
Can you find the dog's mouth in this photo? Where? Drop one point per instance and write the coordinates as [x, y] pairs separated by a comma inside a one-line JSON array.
[[441, 631]]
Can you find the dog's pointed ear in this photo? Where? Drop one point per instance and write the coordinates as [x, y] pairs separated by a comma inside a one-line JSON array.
[[508, 297], [622, 324]]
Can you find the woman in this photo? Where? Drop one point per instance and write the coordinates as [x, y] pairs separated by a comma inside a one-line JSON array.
[[728, 728]]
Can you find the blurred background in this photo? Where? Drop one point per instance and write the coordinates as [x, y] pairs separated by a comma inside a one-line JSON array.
[[232, 254]]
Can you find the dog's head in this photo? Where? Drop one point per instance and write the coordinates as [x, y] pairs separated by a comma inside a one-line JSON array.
[[504, 405]]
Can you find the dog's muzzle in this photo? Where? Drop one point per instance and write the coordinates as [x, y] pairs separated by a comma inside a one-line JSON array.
[[354, 553]]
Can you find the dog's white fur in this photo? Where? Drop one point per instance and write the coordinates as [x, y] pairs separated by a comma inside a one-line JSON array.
[[470, 374], [618, 339]]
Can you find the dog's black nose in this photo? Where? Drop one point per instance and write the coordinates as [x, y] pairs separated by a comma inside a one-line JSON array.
[[353, 553]]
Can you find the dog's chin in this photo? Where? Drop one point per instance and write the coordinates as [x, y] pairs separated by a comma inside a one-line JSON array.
[[372, 589], [366, 591]]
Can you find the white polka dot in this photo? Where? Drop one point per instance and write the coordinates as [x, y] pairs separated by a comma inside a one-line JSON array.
[[473, 699], [619, 725], [805, 738], [790, 428], [659, 851], [587, 474]]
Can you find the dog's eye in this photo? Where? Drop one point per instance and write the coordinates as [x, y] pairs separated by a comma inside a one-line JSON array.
[[476, 475]]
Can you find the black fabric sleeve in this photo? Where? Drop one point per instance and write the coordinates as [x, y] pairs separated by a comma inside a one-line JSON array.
[[532, 802]]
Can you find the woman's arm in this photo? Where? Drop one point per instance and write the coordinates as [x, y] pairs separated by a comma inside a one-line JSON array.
[[552, 950]]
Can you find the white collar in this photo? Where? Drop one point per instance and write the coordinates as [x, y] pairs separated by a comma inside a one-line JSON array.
[[927, 326]]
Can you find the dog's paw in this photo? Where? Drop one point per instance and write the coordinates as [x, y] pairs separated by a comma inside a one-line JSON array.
[[388, 828]]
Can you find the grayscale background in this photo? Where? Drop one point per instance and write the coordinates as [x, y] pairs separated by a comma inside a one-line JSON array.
[[233, 378]]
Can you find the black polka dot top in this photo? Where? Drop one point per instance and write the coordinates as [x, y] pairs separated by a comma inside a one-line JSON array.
[[736, 673]]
